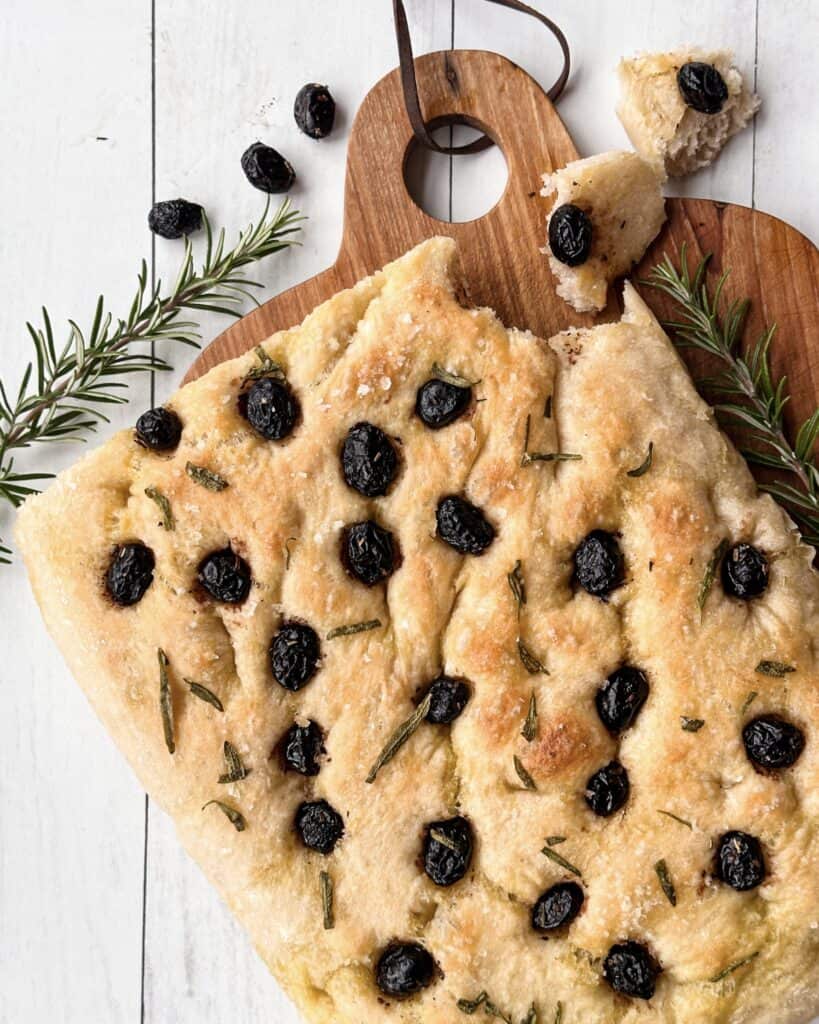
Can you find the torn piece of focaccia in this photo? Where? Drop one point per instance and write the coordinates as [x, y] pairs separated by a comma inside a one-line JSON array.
[[607, 210], [460, 631], [679, 109]]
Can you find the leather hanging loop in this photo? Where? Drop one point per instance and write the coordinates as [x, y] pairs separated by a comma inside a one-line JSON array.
[[409, 83]]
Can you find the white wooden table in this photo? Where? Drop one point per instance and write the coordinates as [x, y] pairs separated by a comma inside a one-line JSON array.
[[105, 104]]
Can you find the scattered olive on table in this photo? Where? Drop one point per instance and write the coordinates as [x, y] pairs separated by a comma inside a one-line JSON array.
[[314, 110], [174, 218]]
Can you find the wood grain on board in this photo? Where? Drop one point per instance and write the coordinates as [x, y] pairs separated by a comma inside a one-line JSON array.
[[771, 263]]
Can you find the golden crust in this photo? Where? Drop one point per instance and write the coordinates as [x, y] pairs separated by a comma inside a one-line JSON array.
[[613, 388]]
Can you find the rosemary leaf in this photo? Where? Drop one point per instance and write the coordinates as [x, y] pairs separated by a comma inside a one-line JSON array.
[[710, 573], [691, 724], [559, 1013], [547, 408], [267, 367], [236, 771], [523, 775], [674, 817], [452, 378], [234, 817], [645, 465], [530, 662], [444, 840], [752, 696], [355, 627], [550, 457], [287, 556], [65, 388], [205, 477], [555, 840], [469, 1006], [326, 887], [165, 701], [529, 730], [156, 495], [531, 1016], [527, 458], [734, 967], [554, 856], [517, 585], [778, 669], [665, 882], [400, 736], [203, 693]]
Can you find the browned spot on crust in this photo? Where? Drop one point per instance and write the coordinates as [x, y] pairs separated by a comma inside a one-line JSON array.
[[564, 745]]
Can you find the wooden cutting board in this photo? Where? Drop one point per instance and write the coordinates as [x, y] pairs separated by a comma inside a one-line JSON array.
[[771, 263]]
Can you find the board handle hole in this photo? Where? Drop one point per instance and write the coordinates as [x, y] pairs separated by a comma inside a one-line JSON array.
[[455, 189]]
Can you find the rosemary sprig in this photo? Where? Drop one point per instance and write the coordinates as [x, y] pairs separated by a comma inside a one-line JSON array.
[[746, 394], [63, 391]]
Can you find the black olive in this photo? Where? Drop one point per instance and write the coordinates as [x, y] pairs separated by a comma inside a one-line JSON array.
[[771, 742], [175, 218], [621, 697], [266, 169], [403, 969], [294, 655], [225, 576], [159, 429], [630, 969], [557, 906], [702, 87], [319, 826], [740, 861], [314, 110], [368, 460], [130, 573], [447, 860], [607, 790], [300, 747], [598, 563], [744, 572], [270, 407], [369, 552], [570, 235], [449, 698], [463, 526], [439, 403]]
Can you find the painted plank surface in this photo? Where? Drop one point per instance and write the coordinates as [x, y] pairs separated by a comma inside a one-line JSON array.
[[74, 187], [72, 209]]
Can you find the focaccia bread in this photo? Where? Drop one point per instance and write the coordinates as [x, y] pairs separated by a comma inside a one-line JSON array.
[[564, 757], [679, 109], [607, 210]]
